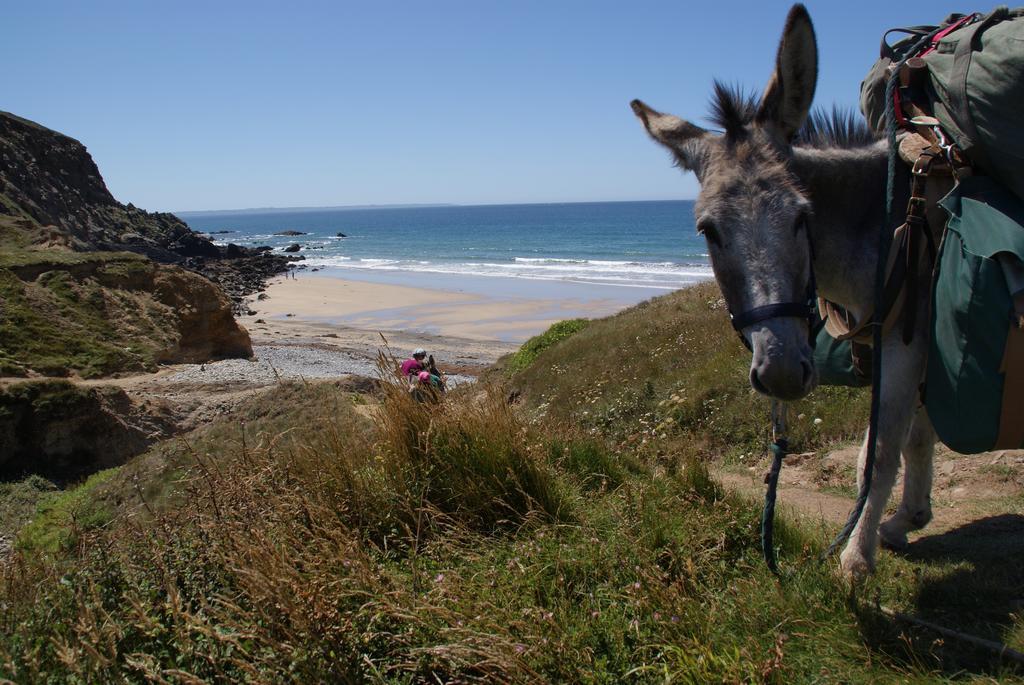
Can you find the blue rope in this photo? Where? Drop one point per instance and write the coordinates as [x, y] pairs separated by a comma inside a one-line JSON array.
[[779, 448], [884, 243]]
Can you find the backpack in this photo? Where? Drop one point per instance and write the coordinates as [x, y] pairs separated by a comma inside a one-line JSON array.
[[975, 85], [973, 389], [834, 361], [974, 383]]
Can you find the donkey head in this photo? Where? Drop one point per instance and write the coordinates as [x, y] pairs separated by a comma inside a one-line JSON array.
[[752, 210]]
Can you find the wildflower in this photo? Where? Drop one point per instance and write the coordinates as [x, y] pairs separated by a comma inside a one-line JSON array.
[[520, 648], [439, 578], [817, 422]]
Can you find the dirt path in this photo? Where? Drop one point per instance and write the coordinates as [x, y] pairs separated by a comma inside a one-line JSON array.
[[821, 487]]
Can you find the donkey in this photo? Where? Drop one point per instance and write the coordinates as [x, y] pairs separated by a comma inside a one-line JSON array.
[[785, 202]]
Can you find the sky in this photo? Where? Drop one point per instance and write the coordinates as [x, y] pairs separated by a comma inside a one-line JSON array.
[[217, 105]]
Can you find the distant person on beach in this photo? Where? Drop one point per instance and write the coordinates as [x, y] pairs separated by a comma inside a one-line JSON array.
[[422, 376], [414, 364]]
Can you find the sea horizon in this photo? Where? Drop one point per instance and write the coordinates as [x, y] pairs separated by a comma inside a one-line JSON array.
[[648, 245], [397, 205]]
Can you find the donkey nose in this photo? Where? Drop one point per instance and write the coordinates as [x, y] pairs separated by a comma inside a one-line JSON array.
[[785, 381]]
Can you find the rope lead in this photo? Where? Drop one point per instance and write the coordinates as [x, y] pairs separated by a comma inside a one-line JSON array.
[[779, 447]]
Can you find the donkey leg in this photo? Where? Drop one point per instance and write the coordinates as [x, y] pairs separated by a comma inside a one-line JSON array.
[[916, 508], [899, 396]]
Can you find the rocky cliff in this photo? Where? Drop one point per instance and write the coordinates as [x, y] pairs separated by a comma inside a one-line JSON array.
[[91, 287], [52, 193]]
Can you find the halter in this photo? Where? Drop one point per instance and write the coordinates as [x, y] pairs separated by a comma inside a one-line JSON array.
[[800, 310], [808, 309]]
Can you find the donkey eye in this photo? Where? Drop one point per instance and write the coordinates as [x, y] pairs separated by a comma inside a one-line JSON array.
[[708, 229]]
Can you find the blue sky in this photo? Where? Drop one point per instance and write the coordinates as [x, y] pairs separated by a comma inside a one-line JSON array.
[[212, 105]]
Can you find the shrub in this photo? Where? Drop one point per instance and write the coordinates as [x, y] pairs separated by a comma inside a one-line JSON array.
[[271, 566], [465, 457], [538, 343]]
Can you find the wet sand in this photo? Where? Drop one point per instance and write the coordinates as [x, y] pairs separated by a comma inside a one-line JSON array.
[[492, 321]]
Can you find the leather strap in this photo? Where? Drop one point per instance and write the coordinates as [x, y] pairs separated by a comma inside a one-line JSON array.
[[861, 355], [769, 311], [912, 240], [1011, 416]]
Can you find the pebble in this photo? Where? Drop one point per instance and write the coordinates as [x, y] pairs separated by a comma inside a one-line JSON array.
[[273, 362]]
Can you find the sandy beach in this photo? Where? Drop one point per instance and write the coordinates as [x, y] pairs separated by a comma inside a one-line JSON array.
[[491, 320], [323, 327]]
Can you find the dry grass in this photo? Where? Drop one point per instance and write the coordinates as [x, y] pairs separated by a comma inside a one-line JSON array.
[[268, 570], [455, 542]]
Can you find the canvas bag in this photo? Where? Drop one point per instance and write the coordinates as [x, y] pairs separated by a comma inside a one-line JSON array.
[[975, 88], [834, 361], [974, 383]]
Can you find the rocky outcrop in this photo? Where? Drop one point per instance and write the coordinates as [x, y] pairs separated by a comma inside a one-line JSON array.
[[62, 431], [52, 180], [109, 313], [206, 325], [241, 276]]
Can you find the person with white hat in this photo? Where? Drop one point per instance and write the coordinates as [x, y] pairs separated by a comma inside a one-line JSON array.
[[414, 364]]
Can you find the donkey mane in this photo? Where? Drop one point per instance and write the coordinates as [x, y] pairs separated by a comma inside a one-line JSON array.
[[733, 108], [839, 127]]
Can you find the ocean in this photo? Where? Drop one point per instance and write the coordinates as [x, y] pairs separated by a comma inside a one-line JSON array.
[[615, 245]]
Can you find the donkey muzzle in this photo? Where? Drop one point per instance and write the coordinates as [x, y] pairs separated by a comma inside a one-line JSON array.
[[782, 365]]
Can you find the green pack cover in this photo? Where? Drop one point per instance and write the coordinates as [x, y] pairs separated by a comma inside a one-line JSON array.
[[971, 314], [834, 361], [977, 93], [972, 310], [975, 87]]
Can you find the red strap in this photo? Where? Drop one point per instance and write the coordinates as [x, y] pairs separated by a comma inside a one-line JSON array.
[[948, 30], [963, 21]]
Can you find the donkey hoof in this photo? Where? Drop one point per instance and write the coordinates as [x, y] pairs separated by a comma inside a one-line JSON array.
[[921, 518], [891, 537], [855, 566]]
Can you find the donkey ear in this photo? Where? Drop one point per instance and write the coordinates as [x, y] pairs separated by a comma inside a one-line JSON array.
[[787, 99], [678, 135]]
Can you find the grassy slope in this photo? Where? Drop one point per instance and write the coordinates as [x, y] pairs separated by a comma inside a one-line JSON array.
[[59, 323], [669, 377], [467, 541]]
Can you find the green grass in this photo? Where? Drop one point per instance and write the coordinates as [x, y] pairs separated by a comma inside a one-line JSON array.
[[532, 348], [67, 312], [669, 375], [298, 541], [60, 323], [18, 501], [592, 462], [36, 258], [62, 517]]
